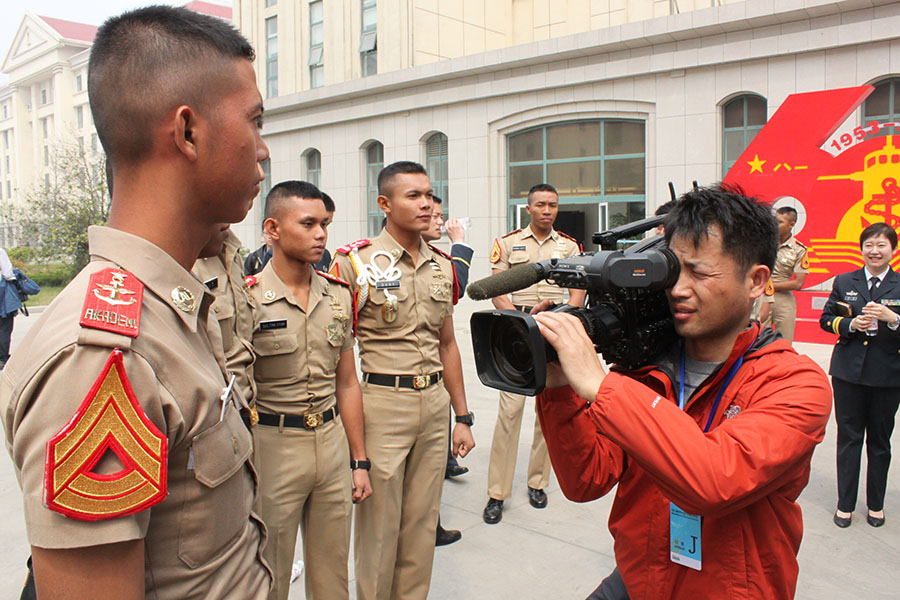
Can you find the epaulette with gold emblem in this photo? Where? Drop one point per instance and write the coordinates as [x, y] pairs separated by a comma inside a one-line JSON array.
[[799, 243], [333, 278], [510, 233], [439, 251], [353, 246], [569, 237], [113, 302], [250, 280], [109, 419]]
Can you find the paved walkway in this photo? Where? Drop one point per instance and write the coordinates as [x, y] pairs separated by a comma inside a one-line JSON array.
[[563, 551]]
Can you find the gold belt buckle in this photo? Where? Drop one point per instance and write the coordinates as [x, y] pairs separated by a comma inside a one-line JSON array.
[[312, 420], [421, 381]]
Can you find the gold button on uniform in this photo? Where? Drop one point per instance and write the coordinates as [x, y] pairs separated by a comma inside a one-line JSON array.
[[234, 444]]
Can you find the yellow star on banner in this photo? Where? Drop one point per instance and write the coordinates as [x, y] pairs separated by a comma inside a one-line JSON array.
[[756, 164]]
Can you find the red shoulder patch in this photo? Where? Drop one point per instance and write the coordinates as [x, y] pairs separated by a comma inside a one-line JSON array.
[[353, 246], [113, 302], [109, 419], [439, 251], [569, 237], [250, 280], [510, 233], [333, 278]]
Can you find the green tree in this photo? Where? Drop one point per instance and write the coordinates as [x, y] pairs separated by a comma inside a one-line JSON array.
[[56, 213]]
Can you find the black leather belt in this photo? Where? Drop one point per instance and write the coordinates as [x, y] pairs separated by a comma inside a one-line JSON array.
[[523, 308], [413, 382], [307, 421]]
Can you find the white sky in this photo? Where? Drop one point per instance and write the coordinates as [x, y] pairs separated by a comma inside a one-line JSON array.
[[92, 12]]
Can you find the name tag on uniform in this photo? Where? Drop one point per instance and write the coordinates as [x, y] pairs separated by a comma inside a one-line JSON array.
[[851, 296], [518, 248], [684, 538], [273, 324], [211, 284], [890, 301], [388, 285]]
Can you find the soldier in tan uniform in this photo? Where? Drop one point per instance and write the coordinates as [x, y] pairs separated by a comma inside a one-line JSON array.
[[220, 270], [411, 374], [308, 395], [762, 306], [789, 274], [537, 242], [117, 401]]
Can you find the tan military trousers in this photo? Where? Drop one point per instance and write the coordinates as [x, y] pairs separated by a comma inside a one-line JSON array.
[[505, 447], [406, 440], [305, 480], [784, 314]]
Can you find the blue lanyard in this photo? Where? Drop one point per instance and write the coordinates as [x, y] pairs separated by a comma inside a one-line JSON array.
[[728, 377]]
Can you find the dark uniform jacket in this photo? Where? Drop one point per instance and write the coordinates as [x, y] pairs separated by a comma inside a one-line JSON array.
[[858, 358], [462, 260]]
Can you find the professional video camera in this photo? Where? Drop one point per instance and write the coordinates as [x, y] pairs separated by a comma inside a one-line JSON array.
[[627, 314]]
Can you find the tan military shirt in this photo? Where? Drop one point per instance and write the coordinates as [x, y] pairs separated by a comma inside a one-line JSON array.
[[298, 350], [521, 247], [401, 340], [201, 540], [767, 297], [223, 275], [791, 258]]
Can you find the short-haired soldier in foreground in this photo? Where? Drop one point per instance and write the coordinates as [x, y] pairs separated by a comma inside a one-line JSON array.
[[128, 445], [412, 373], [308, 396], [710, 443]]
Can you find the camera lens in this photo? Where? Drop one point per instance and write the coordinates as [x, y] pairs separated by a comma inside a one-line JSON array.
[[511, 351]]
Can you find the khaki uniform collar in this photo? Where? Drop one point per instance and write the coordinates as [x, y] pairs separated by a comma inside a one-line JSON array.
[[231, 247], [787, 242], [528, 232], [157, 270], [269, 281], [388, 241]]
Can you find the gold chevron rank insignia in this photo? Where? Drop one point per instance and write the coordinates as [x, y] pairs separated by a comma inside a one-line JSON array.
[[109, 419]]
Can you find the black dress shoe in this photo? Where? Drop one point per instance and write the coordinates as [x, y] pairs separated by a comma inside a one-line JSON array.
[[455, 471], [445, 537], [537, 498], [874, 521], [842, 522], [493, 512]]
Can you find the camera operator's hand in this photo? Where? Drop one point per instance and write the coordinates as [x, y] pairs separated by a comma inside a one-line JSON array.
[[579, 365], [542, 306]]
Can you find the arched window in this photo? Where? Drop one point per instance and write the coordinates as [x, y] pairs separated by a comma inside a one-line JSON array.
[[597, 166], [883, 106], [313, 167], [374, 163], [436, 165], [742, 117]]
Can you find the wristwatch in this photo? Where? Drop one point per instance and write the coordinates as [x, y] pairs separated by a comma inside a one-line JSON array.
[[468, 419], [360, 464]]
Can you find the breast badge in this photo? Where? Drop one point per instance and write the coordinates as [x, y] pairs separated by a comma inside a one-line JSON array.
[[109, 419]]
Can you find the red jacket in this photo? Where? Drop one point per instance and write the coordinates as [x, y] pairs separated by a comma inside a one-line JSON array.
[[743, 476]]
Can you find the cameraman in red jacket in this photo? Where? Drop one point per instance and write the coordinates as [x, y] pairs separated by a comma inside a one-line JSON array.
[[710, 444]]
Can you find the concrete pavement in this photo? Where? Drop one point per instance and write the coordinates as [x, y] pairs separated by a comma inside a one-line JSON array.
[[564, 551]]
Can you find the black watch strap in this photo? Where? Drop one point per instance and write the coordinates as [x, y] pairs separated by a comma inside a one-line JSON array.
[[360, 464], [468, 419]]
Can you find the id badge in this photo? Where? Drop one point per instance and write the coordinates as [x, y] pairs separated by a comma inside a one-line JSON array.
[[684, 538]]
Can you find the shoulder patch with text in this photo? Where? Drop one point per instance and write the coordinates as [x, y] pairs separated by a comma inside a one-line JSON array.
[[113, 302]]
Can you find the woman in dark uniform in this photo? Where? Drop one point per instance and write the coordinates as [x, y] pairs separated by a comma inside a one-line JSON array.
[[865, 370]]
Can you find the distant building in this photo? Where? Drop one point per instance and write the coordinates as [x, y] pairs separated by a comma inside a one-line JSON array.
[[608, 100], [45, 102]]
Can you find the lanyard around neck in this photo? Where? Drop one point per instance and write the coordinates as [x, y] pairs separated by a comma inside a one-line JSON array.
[[728, 377]]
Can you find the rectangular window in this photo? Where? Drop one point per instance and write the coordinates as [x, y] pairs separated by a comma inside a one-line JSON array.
[[44, 96], [271, 3], [368, 46], [47, 180], [79, 85], [94, 142], [81, 145], [79, 117], [5, 110], [9, 189], [44, 127], [316, 44], [271, 57], [7, 164], [6, 140], [46, 156]]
